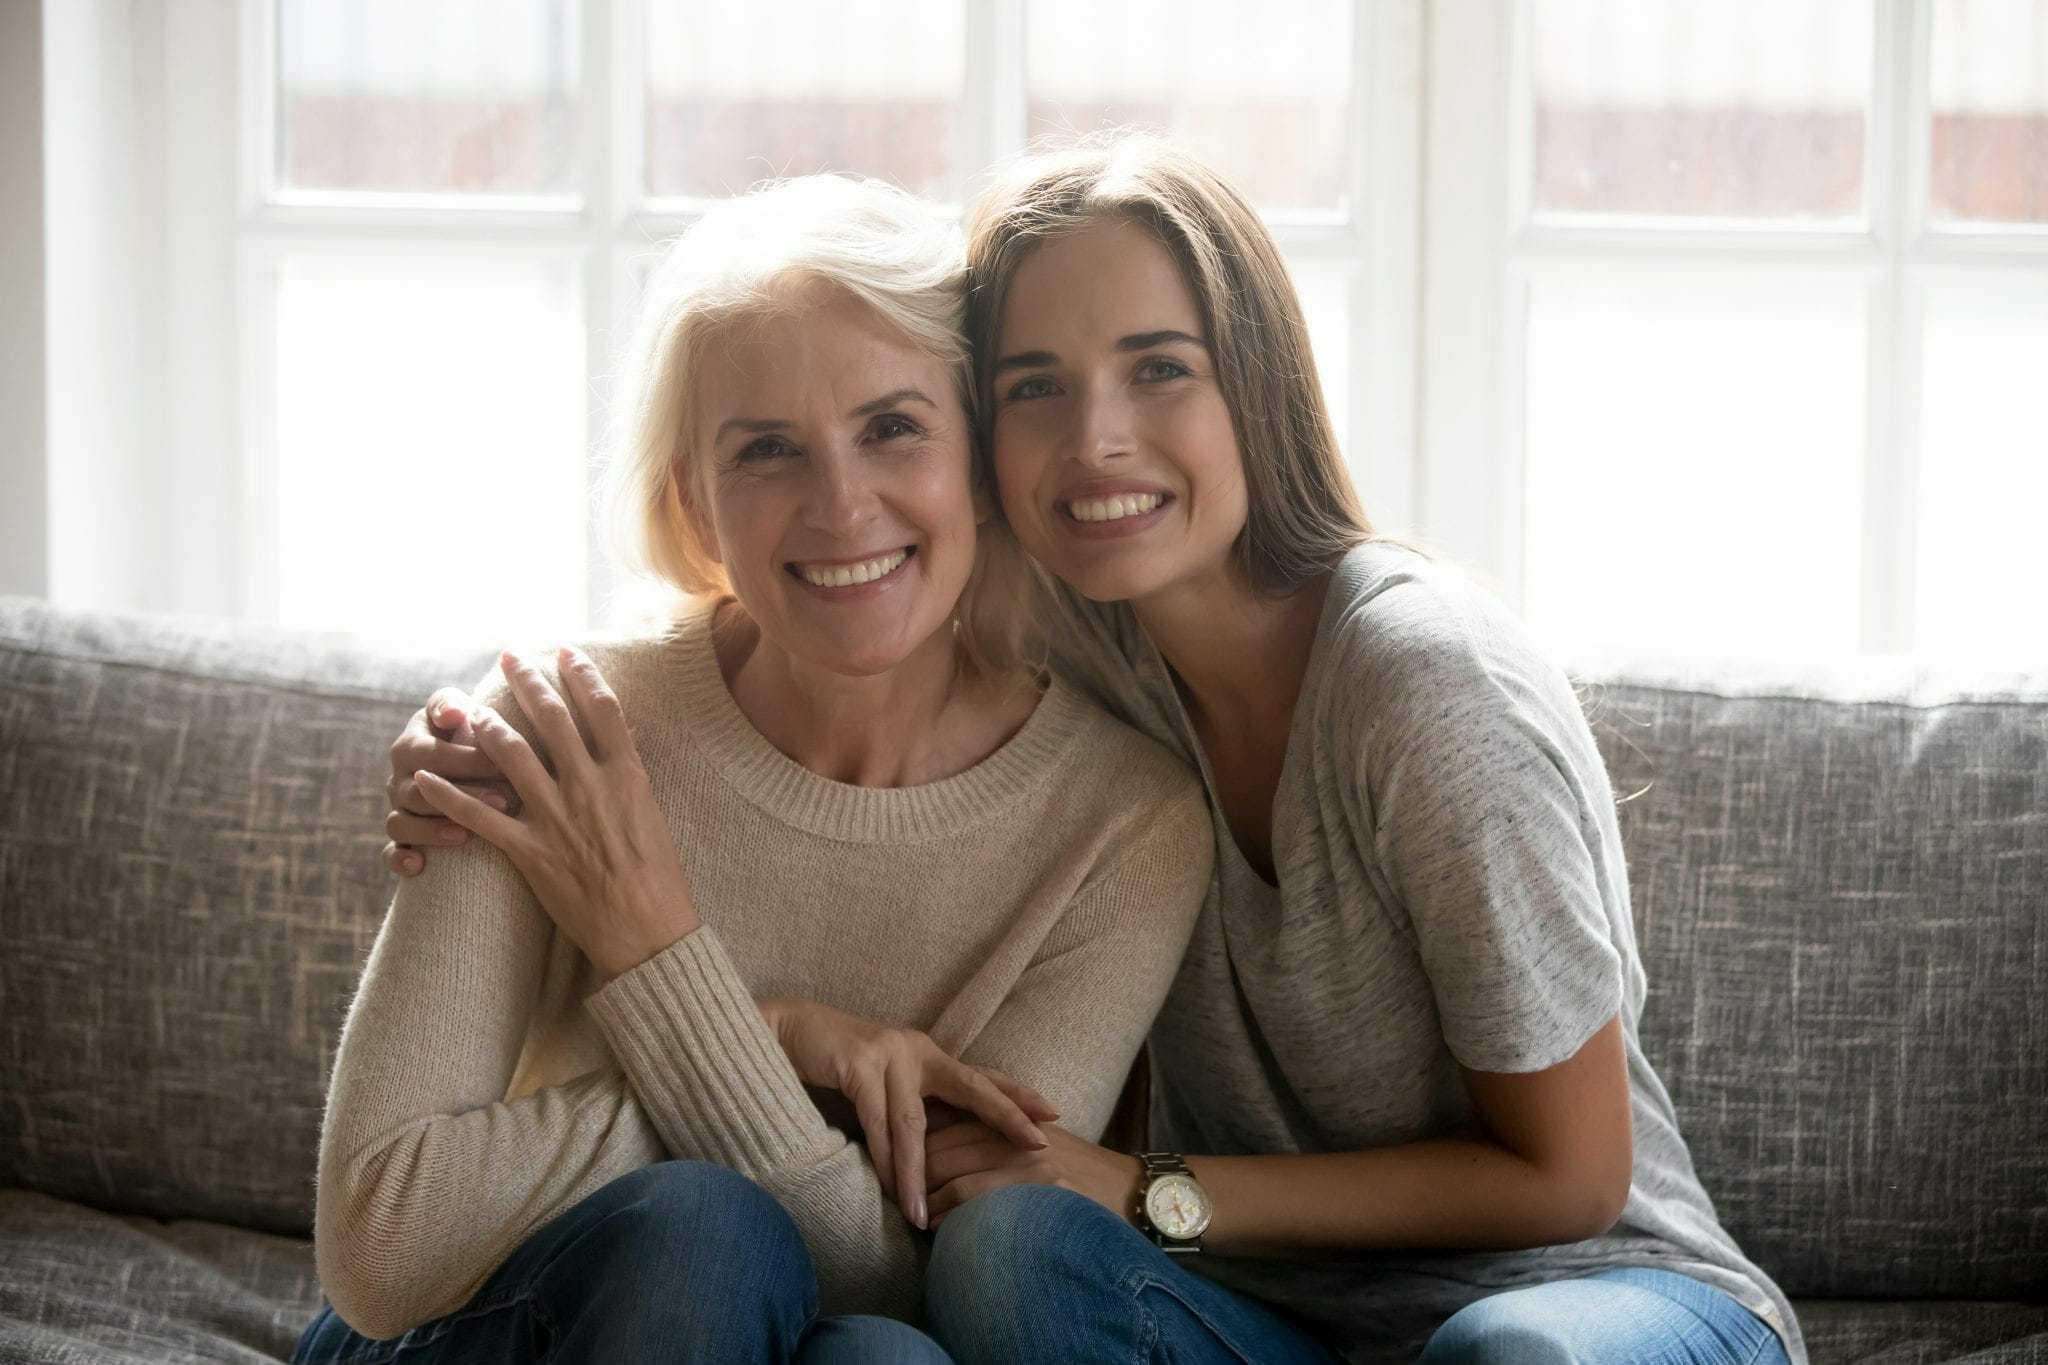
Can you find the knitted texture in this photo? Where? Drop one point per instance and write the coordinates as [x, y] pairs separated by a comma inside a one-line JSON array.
[[1027, 913]]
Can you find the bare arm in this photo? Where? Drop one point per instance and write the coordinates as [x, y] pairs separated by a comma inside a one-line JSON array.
[[1553, 1166]]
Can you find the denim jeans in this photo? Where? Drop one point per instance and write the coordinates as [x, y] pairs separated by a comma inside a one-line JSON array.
[[1031, 1274], [680, 1261]]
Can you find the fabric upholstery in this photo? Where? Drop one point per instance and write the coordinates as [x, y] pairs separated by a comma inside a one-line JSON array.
[[1843, 909], [1840, 884], [1924, 1332], [189, 883], [80, 1285]]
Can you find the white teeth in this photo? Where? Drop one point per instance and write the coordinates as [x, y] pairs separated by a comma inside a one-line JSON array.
[[846, 575], [1114, 508]]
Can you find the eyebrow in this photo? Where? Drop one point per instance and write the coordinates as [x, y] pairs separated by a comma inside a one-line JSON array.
[[890, 400], [1137, 341], [754, 426]]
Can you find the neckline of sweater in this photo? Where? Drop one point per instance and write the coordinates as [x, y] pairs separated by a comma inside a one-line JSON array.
[[785, 789]]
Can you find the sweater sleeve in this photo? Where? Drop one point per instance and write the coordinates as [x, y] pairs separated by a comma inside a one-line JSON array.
[[717, 1086], [428, 1177], [1074, 1022]]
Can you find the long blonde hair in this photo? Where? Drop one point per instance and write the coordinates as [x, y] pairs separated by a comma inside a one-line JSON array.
[[749, 257], [1303, 511]]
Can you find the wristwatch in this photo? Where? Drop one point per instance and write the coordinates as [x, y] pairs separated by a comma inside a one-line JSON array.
[[1172, 1208]]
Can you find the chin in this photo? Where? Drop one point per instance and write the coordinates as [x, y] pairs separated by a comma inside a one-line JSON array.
[[863, 655], [1111, 582]]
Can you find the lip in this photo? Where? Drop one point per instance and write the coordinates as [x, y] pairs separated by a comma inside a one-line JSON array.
[[1108, 488], [853, 592]]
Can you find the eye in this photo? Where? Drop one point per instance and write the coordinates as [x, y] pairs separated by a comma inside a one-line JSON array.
[[764, 448], [1036, 386], [893, 426], [1156, 369]]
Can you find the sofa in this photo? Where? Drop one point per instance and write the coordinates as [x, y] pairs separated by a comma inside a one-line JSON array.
[[1840, 882]]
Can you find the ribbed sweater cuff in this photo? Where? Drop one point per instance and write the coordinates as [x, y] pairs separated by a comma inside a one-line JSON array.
[[704, 1063]]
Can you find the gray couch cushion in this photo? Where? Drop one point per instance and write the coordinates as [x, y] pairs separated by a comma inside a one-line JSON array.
[[189, 826], [1923, 1333], [1843, 909], [80, 1285]]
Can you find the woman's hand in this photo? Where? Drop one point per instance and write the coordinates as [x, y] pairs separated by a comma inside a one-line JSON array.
[[967, 1159], [438, 739], [589, 839], [888, 1073]]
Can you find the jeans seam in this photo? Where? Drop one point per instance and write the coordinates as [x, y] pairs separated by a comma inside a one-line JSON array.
[[1132, 1287], [443, 1326], [1763, 1343], [1138, 1278]]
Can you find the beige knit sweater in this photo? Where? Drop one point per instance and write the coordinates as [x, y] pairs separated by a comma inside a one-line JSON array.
[[1028, 913]]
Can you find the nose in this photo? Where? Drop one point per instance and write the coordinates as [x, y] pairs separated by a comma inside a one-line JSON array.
[[841, 498], [1102, 425]]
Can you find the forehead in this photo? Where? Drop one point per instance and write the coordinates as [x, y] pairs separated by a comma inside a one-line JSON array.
[[1106, 280], [813, 339]]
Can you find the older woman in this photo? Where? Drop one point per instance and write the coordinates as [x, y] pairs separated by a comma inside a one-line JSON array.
[[569, 1113]]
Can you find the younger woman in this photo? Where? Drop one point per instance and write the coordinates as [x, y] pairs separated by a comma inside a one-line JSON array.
[[1400, 1062]]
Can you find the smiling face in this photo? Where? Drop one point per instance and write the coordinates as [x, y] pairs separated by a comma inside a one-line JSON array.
[[833, 480], [1114, 451]]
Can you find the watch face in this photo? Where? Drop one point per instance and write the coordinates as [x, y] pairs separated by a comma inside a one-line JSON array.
[[1177, 1207]]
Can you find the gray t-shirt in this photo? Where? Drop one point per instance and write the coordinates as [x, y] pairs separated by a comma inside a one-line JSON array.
[[1451, 891]]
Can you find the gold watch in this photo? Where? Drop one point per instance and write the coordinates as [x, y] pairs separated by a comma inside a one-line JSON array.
[[1172, 1208]]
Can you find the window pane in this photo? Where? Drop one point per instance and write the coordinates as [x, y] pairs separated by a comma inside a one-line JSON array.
[[1984, 470], [1700, 108], [1695, 458], [1989, 89], [427, 96], [430, 430], [742, 93], [1273, 113], [1326, 308]]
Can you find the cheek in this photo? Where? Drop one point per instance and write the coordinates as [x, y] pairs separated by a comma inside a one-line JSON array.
[[744, 525], [1019, 460], [1210, 454], [942, 486]]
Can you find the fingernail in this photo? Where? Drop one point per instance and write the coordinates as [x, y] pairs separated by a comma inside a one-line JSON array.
[[451, 836], [922, 1218], [496, 802], [410, 862]]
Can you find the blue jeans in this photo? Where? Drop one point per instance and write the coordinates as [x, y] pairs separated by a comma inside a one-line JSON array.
[[1030, 1274], [679, 1261], [1630, 1316]]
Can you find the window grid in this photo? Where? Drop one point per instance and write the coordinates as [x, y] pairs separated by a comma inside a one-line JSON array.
[[1897, 252], [616, 224]]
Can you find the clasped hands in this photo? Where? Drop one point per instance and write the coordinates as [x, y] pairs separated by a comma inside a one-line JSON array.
[[591, 841], [985, 1129]]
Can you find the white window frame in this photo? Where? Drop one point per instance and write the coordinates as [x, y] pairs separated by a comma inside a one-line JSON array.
[[224, 429], [1484, 250]]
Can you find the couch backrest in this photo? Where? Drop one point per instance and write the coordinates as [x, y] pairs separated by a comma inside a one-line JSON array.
[[190, 815], [1843, 910]]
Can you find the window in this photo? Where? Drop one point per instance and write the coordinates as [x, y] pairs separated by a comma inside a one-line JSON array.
[[1768, 276], [450, 207], [1706, 325]]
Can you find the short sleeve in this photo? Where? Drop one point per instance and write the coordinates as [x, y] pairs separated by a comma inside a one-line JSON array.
[[1485, 788]]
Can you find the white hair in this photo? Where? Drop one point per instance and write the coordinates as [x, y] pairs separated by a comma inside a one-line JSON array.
[[751, 256]]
